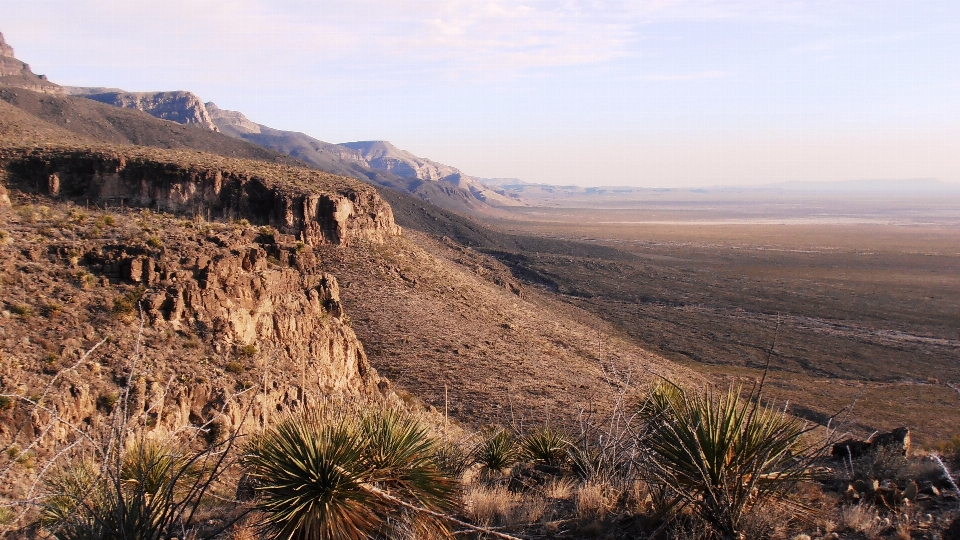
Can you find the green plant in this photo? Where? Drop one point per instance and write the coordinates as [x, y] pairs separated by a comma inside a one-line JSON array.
[[248, 350], [107, 220], [723, 453], [234, 367], [545, 445], [22, 310], [155, 242], [327, 475], [53, 309], [107, 401], [497, 451], [126, 304], [6, 403], [143, 493]]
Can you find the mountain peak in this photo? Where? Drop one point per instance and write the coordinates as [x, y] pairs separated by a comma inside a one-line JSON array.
[[17, 74], [5, 50]]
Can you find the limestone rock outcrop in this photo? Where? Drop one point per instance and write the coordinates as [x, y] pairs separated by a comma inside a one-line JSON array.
[[232, 123], [18, 74], [314, 207], [180, 107]]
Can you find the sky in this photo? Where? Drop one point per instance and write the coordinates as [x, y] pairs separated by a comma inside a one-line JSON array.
[[659, 93]]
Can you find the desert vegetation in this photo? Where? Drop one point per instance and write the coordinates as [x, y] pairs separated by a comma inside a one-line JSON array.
[[681, 462]]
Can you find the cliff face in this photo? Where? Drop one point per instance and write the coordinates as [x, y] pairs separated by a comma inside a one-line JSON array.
[[232, 123], [15, 73], [179, 107], [240, 321], [314, 207], [226, 309]]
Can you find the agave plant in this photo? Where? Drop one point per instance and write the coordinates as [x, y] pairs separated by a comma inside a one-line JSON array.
[[724, 453], [497, 451], [545, 445], [322, 475]]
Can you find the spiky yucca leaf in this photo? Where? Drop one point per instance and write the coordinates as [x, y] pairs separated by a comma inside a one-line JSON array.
[[545, 445], [309, 470], [722, 452], [497, 451], [339, 476]]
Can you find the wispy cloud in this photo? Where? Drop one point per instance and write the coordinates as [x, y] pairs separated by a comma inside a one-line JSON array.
[[670, 77]]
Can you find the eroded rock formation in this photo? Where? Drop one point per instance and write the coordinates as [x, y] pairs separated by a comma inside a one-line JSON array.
[[315, 207], [180, 107]]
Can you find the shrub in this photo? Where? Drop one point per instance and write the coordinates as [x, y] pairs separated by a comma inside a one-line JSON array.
[[248, 350], [723, 453], [545, 445], [155, 242], [145, 493], [126, 304], [22, 310], [6, 403], [108, 401], [497, 451], [322, 474], [234, 367]]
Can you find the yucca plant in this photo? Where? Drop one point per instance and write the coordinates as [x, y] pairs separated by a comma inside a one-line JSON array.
[[321, 475], [545, 445], [497, 451], [724, 453], [144, 493]]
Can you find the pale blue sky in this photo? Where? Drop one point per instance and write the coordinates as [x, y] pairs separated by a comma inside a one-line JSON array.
[[592, 92]]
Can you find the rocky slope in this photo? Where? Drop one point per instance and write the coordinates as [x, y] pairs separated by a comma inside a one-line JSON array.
[[180, 107], [242, 318], [15, 73]]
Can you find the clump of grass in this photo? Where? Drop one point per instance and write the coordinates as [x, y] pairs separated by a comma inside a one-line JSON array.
[[491, 505], [155, 242], [234, 367], [248, 350], [107, 401], [107, 220], [23, 310], [594, 500], [53, 309], [126, 304]]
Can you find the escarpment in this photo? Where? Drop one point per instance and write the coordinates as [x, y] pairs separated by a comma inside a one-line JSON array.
[[193, 322], [200, 325], [317, 208]]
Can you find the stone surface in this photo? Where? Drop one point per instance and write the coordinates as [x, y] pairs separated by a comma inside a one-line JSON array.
[[18, 74], [180, 107], [292, 200]]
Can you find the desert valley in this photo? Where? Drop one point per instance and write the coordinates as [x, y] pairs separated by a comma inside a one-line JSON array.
[[186, 292]]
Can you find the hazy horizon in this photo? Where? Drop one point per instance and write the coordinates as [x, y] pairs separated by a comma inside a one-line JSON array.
[[673, 93]]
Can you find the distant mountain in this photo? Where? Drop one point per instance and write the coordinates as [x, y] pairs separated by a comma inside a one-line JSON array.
[[17, 74], [180, 107], [914, 186], [376, 161]]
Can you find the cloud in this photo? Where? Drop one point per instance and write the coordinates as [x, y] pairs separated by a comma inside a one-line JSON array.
[[666, 77]]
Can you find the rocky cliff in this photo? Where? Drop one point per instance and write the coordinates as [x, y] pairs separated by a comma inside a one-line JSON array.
[[314, 207], [179, 107], [15, 73], [232, 123], [241, 320]]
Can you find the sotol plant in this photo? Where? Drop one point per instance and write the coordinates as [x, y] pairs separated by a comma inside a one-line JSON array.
[[724, 453], [322, 475]]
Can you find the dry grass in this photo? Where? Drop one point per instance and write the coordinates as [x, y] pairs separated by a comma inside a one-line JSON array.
[[862, 518], [594, 500], [560, 488], [490, 505]]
